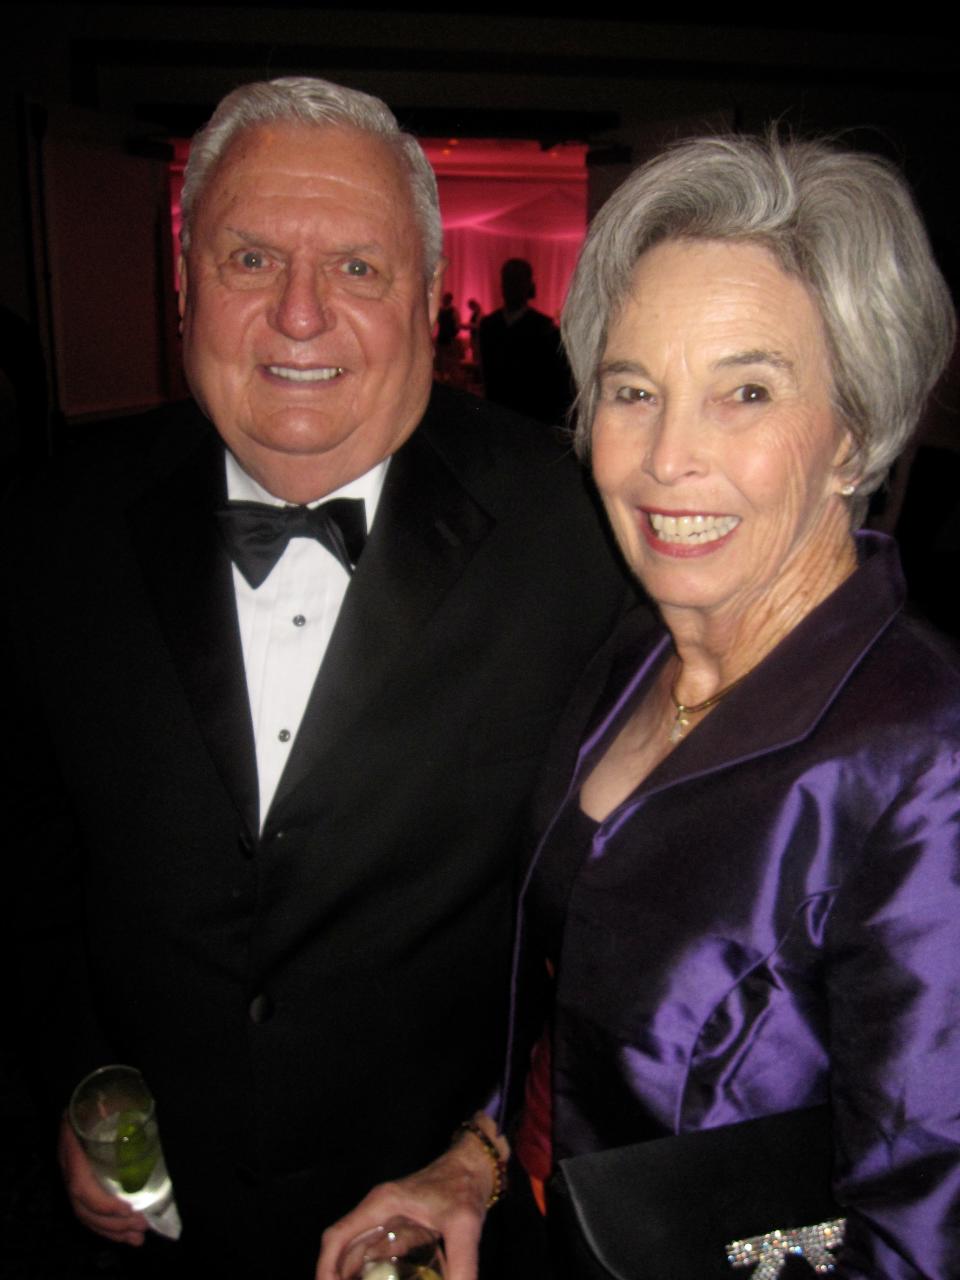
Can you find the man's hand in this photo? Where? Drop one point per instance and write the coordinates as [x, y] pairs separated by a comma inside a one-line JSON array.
[[449, 1196], [96, 1208]]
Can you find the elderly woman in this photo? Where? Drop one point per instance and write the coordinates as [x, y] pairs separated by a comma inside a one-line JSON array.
[[749, 892]]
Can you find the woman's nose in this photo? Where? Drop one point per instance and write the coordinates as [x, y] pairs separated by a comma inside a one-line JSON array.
[[675, 448]]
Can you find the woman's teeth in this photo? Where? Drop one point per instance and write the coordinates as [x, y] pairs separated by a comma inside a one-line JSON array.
[[293, 374], [691, 529]]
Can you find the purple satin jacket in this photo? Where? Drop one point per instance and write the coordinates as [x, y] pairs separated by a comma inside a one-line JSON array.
[[772, 920]]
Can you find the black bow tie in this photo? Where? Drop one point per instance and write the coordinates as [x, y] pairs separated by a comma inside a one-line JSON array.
[[256, 534]]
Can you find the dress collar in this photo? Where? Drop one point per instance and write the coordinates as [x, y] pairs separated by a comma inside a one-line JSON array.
[[785, 696]]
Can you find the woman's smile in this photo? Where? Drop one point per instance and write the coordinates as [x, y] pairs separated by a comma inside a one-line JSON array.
[[683, 533]]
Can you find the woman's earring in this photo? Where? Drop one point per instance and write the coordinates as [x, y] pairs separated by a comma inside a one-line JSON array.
[[848, 490]]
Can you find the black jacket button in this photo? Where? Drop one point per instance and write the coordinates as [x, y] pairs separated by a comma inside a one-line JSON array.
[[261, 1009]]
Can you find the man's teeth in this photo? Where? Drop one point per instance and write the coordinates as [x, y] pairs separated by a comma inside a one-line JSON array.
[[692, 529], [304, 375]]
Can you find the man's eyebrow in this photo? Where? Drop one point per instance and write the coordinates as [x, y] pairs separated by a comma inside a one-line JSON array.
[[372, 246], [337, 251], [758, 355], [252, 238]]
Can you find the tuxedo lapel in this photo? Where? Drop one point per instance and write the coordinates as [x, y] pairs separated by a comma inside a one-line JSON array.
[[427, 529], [189, 579]]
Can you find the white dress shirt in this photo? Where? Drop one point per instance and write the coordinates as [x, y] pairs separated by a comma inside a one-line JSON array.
[[286, 624]]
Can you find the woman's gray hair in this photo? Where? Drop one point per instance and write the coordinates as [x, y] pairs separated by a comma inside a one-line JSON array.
[[844, 223], [304, 100]]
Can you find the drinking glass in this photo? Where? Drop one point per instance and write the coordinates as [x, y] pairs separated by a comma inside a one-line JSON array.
[[113, 1115], [400, 1249]]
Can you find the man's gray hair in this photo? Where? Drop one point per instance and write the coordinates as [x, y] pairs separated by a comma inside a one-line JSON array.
[[844, 223], [304, 100]]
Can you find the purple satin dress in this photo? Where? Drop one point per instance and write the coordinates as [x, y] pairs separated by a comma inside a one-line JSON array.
[[772, 920]]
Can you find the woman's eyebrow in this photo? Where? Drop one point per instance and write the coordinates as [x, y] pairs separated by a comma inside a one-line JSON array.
[[758, 355], [622, 366]]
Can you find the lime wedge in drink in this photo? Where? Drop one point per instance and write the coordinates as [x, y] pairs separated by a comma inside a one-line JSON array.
[[135, 1149]]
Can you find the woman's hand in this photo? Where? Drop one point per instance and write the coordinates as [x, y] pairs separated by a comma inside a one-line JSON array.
[[107, 1215], [449, 1196]]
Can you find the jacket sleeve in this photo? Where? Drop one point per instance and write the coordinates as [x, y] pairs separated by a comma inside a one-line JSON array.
[[893, 976]]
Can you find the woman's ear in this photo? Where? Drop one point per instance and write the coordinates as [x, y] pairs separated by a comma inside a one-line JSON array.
[[846, 465]]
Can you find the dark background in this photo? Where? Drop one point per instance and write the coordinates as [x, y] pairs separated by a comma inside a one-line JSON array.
[[91, 96]]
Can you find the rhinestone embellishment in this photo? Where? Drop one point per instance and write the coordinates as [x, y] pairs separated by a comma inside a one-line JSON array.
[[768, 1253]]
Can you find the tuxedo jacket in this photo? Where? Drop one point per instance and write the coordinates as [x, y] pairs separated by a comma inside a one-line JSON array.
[[315, 1007], [771, 920]]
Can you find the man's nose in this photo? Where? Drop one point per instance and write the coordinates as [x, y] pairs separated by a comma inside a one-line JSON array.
[[676, 445], [302, 310]]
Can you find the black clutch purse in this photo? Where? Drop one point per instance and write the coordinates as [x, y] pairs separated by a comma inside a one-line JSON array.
[[749, 1201]]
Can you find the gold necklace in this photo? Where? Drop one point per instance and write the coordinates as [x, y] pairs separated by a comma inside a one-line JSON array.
[[681, 721]]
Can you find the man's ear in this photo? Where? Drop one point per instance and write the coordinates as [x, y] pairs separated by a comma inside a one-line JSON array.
[[435, 290], [182, 277]]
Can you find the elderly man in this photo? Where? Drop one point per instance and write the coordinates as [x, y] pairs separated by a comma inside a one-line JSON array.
[[275, 763]]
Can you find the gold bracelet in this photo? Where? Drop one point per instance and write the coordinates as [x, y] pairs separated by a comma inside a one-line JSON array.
[[493, 1154]]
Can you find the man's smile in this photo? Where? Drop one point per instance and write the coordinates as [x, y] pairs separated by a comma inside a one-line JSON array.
[[292, 373]]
